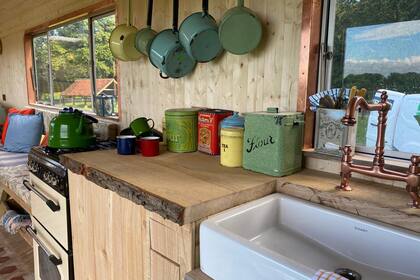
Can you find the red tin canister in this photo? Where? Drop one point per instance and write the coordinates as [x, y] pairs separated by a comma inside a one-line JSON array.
[[208, 130]]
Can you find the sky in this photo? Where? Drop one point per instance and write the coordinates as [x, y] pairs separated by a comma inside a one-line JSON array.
[[384, 48]]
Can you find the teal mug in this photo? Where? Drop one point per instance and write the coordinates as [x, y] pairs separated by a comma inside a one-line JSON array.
[[141, 125]]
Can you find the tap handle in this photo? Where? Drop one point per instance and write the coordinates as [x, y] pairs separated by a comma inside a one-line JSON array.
[[414, 166], [384, 96]]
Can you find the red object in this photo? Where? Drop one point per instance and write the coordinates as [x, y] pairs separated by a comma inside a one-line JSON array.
[[209, 131], [14, 111], [149, 146]]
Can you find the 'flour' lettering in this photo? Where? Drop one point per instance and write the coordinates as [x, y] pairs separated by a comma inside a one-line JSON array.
[[257, 142]]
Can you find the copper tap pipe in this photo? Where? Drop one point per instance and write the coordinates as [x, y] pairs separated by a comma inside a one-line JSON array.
[[377, 169]]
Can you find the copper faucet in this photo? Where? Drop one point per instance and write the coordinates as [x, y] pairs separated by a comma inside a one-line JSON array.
[[377, 169]]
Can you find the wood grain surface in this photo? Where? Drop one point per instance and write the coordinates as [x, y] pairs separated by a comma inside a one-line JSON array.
[[180, 187]]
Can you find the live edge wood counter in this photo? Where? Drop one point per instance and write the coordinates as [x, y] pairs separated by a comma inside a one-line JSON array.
[[180, 187]]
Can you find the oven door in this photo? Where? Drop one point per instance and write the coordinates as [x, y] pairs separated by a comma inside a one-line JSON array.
[[50, 259], [49, 207]]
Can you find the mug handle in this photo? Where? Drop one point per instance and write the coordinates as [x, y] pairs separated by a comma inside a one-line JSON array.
[[163, 76], [153, 123]]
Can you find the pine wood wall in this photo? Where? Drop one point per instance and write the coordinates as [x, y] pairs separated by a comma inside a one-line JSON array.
[[266, 77]]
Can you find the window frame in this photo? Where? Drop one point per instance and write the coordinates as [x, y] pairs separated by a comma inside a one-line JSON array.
[[92, 12], [325, 69]]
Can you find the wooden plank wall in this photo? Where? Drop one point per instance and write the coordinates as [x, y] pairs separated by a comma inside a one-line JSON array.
[[16, 17], [266, 77]]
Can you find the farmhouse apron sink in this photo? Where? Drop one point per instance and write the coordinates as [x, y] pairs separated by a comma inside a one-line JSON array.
[[279, 237]]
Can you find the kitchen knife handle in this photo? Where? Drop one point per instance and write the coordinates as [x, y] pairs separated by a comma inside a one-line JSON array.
[[51, 204], [56, 261]]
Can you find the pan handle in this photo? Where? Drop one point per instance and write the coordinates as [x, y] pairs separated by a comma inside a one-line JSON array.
[[205, 6], [175, 15], [149, 13], [241, 3]]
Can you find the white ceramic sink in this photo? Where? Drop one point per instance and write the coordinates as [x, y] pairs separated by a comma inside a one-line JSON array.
[[280, 238]]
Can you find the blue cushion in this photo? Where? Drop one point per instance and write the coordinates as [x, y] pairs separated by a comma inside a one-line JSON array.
[[24, 132]]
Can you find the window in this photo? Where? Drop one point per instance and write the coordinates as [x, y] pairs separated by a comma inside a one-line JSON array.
[[73, 66], [375, 44]]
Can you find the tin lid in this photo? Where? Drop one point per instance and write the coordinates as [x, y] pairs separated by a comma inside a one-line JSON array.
[[275, 113], [232, 131], [182, 112], [272, 110], [215, 111], [233, 121]]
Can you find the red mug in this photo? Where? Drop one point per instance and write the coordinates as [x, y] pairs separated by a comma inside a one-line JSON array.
[[149, 146]]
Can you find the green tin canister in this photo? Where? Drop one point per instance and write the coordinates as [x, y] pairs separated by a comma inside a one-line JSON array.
[[273, 142], [181, 129]]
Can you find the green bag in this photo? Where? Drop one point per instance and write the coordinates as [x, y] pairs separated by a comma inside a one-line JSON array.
[[273, 142]]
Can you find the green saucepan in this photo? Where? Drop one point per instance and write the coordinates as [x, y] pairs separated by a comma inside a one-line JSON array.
[[240, 30], [145, 36], [168, 55], [122, 40], [199, 35]]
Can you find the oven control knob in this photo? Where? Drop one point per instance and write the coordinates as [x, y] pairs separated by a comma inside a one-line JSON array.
[[34, 167], [31, 166], [54, 181], [47, 177]]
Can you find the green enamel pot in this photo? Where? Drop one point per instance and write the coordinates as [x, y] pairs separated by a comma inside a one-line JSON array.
[[146, 35], [168, 55], [199, 35], [122, 43], [240, 30]]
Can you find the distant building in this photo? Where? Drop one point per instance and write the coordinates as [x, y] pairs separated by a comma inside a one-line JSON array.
[[82, 89]]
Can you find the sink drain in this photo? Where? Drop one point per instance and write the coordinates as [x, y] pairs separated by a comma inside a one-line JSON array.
[[348, 273]]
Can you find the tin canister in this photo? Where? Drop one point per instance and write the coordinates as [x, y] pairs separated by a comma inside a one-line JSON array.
[[273, 142], [208, 130], [181, 129], [231, 146]]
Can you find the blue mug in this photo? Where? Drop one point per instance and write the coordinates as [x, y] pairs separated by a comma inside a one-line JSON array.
[[126, 144]]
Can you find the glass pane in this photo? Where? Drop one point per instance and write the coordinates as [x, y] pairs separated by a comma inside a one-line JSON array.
[[47, 270], [377, 46], [70, 65], [106, 87], [41, 72]]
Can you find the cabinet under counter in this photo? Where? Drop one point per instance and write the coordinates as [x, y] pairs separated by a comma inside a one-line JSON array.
[[138, 218]]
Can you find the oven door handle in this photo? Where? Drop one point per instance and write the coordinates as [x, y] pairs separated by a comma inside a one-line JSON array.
[[51, 204], [56, 261]]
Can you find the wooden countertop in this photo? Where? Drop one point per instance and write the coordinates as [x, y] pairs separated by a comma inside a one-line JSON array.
[[189, 187], [180, 187], [370, 200]]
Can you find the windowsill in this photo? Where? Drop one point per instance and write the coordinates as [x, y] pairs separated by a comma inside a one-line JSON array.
[[55, 110], [400, 165]]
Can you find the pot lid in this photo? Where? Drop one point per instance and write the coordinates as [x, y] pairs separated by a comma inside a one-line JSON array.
[[182, 112], [233, 121]]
